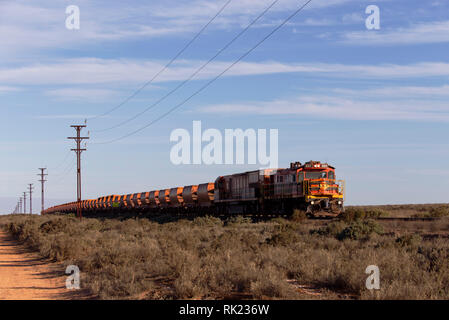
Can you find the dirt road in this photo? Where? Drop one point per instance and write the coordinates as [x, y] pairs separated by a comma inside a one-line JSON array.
[[26, 276]]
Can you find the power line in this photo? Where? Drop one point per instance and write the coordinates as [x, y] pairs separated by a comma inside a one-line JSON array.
[[167, 65], [63, 161], [66, 168], [55, 183], [66, 174], [214, 79], [16, 209], [194, 73]]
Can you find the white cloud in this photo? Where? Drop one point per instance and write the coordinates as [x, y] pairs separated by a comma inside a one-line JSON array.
[[25, 25], [430, 32], [203, 8], [316, 22], [353, 18], [81, 94], [390, 92], [339, 107], [64, 116], [101, 71], [6, 89]]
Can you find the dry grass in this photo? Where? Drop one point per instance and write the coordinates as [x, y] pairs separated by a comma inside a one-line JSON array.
[[207, 258], [404, 210]]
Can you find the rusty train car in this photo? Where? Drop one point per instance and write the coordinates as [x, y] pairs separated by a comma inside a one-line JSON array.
[[312, 187]]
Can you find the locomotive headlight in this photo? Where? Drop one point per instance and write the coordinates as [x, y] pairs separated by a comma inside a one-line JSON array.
[[339, 202], [312, 202]]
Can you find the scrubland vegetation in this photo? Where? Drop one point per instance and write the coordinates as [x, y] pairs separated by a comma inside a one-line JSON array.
[[400, 210], [208, 258]]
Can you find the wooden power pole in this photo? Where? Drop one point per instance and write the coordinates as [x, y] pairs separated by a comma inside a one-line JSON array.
[[30, 186], [24, 202], [78, 139], [42, 180]]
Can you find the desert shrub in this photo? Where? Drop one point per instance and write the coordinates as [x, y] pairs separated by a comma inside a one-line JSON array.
[[376, 213], [421, 215], [360, 230], [56, 225], [438, 212], [25, 230], [280, 220], [356, 213], [442, 211], [408, 240], [298, 215], [436, 260], [185, 287], [283, 238], [237, 220], [271, 284], [351, 214], [284, 234], [331, 229], [142, 259], [207, 221]]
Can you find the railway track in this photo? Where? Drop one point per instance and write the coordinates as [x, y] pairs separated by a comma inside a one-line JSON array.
[[333, 218], [408, 218]]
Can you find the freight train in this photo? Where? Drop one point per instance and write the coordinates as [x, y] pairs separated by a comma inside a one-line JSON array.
[[311, 187]]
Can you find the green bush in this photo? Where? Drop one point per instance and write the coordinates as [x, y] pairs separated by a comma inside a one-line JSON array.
[[438, 212], [57, 225], [442, 211], [352, 214], [283, 238], [332, 229], [284, 234], [358, 230], [409, 240]]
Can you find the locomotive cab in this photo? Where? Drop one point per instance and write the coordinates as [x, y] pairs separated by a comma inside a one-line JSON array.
[[321, 190]]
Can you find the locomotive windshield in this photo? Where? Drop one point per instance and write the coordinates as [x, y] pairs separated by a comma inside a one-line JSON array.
[[316, 175]]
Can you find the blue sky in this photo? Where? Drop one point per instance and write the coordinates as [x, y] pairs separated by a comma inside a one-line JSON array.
[[373, 103]]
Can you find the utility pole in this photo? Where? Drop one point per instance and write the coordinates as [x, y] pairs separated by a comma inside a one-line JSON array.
[[42, 180], [78, 152], [20, 205], [24, 202], [31, 190]]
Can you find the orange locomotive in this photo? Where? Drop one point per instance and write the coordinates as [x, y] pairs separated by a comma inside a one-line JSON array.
[[311, 187]]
